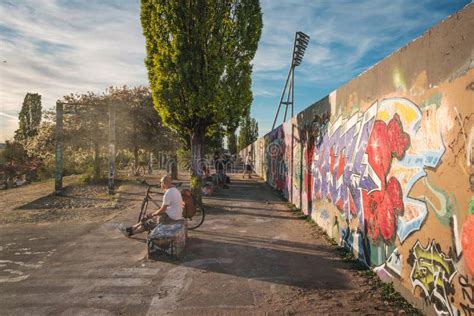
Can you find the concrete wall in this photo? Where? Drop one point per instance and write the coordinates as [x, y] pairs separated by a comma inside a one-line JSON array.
[[385, 165]]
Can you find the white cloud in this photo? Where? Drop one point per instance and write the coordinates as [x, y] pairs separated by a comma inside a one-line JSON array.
[[56, 48]]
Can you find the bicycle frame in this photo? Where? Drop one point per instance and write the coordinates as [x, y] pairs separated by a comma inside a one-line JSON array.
[[144, 205]]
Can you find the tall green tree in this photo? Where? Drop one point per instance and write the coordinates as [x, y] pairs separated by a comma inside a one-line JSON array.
[[248, 132], [232, 143], [29, 118], [236, 82], [190, 47]]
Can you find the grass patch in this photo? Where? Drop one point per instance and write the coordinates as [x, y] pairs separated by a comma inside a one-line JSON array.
[[389, 293]]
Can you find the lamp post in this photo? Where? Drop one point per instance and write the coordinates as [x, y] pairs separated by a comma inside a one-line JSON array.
[[299, 47], [58, 175]]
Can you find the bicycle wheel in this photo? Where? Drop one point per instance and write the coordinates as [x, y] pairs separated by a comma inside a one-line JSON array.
[[198, 217], [143, 209]]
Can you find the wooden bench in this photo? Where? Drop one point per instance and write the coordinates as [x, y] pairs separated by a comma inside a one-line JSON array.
[[168, 240]]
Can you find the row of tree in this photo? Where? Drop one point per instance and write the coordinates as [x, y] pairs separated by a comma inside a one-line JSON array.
[[199, 55], [139, 130], [199, 66]]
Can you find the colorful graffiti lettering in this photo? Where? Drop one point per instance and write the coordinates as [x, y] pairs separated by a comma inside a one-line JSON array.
[[276, 166], [339, 165], [433, 273], [367, 165], [382, 206], [311, 135], [426, 150]]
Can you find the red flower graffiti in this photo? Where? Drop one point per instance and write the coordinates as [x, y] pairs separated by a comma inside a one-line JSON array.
[[467, 243], [382, 207]]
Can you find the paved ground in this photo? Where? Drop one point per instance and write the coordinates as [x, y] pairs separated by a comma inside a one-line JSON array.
[[251, 256]]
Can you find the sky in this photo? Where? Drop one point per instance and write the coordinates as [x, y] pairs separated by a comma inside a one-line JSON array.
[[59, 47]]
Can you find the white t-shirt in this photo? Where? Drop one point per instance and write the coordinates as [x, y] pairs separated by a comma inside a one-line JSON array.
[[248, 160], [173, 199]]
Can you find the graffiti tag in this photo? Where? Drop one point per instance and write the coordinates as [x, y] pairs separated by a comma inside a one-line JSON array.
[[433, 273]]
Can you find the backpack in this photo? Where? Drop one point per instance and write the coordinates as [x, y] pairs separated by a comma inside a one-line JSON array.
[[189, 209]]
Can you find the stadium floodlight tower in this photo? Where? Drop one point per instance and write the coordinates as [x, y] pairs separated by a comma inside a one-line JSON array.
[[299, 47]]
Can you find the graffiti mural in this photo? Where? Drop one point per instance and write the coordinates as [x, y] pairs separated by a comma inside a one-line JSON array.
[[367, 165], [275, 160], [385, 165], [433, 272], [311, 136], [278, 159], [339, 164], [425, 151]]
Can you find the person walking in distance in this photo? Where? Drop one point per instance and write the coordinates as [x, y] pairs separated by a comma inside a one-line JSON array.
[[248, 165]]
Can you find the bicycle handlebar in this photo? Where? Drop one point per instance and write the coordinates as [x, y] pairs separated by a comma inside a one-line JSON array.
[[177, 185]]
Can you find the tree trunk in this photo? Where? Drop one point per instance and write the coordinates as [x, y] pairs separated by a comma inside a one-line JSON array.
[[135, 163], [197, 150], [96, 161], [174, 167], [150, 163]]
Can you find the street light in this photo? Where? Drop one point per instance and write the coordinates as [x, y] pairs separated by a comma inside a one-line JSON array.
[[301, 42], [299, 47]]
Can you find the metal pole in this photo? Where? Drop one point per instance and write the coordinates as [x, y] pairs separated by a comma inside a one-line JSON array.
[[290, 94], [292, 90], [110, 184], [281, 98], [58, 178]]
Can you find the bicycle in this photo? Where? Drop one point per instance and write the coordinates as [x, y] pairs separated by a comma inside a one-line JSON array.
[[194, 222]]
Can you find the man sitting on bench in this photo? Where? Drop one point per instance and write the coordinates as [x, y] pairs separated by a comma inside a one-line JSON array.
[[171, 210]]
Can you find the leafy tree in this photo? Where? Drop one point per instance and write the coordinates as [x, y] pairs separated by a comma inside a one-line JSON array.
[[86, 125], [235, 94], [14, 161], [14, 152], [29, 117], [191, 47], [248, 132], [139, 127]]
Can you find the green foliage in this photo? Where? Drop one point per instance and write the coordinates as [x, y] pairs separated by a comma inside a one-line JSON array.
[[184, 154], [198, 52], [14, 152], [195, 182], [248, 132], [232, 143], [138, 125], [388, 293], [29, 118]]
